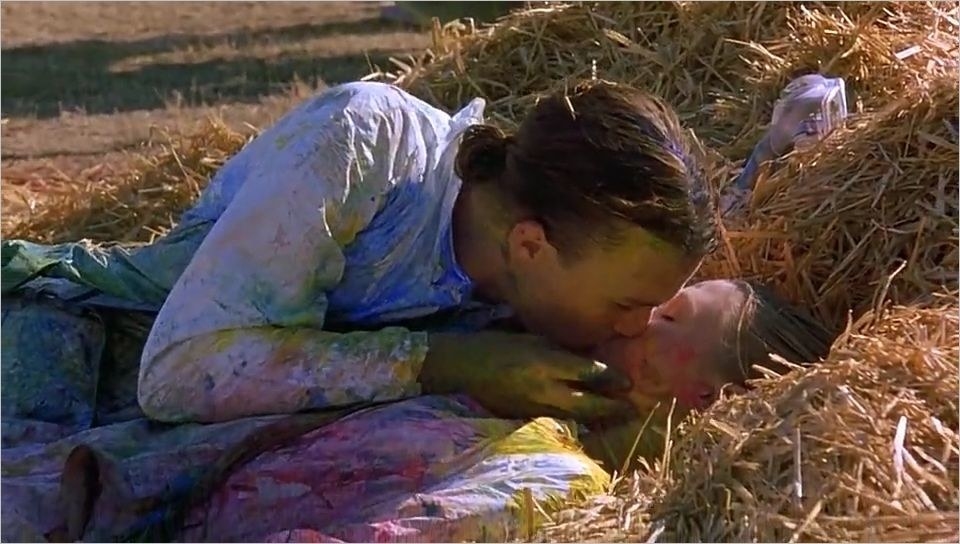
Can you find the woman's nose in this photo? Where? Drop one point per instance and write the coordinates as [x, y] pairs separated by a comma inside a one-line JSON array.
[[633, 323], [677, 308]]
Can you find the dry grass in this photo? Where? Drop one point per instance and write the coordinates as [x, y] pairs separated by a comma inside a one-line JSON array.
[[870, 214], [109, 56], [861, 447], [123, 68], [64, 198], [720, 64], [134, 207]]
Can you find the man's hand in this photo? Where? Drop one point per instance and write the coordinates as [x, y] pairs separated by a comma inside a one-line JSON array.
[[520, 375]]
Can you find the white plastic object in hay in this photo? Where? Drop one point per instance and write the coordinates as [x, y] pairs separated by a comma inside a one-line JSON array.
[[809, 108]]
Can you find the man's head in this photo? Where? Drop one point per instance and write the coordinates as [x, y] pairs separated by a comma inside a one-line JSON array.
[[603, 212], [710, 335]]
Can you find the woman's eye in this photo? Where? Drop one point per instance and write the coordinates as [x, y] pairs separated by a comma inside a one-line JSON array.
[[667, 317]]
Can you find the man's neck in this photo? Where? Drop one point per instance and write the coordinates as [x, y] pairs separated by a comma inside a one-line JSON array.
[[475, 235]]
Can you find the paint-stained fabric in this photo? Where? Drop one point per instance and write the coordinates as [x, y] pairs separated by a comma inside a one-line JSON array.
[[304, 277], [338, 218], [435, 469]]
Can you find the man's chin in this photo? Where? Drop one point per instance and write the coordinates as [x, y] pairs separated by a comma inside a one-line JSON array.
[[582, 344], [611, 351], [588, 345], [556, 336], [582, 347]]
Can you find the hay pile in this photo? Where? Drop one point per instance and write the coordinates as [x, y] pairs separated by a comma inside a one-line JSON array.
[[870, 213], [136, 206], [720, 64], [862, 447]]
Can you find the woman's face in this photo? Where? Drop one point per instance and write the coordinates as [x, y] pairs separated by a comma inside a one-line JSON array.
[[677, 354], [603, 292]]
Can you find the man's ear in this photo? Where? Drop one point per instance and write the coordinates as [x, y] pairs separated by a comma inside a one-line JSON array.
[[527, 243]]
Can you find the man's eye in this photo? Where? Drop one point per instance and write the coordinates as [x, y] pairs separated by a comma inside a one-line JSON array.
[[667, 317]]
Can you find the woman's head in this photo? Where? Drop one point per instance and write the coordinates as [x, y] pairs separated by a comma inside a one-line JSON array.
[[596, 191], [712, 334]]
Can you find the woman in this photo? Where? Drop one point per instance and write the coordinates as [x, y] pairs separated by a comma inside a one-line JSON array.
[[433, 468], [353, 252]]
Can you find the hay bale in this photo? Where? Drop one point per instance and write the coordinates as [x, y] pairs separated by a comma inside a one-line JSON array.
[[136, 206], [720, 64], [870, 214], [862, 447], [877, 458]]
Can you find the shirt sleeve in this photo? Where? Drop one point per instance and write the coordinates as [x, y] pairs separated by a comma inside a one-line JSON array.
[[241, 331]]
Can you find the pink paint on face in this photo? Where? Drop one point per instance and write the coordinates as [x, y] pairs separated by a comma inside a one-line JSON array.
[[683, 355], [674, 356]]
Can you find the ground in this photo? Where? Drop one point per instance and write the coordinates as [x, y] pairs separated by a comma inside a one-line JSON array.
[[83, 84]]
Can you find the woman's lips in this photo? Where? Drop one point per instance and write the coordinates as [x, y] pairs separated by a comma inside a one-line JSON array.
[[649, 389]]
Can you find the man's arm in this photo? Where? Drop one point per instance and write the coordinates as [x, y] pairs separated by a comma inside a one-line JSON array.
[[241, 331]]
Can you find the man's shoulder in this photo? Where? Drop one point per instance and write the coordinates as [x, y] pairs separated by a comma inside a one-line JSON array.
[[373, 95]]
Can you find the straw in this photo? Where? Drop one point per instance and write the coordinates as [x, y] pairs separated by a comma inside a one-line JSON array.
[[871, 214], [875, 429], [720, 64], [134, 206]]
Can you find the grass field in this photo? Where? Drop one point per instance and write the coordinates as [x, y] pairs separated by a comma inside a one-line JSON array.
[[85, 83]]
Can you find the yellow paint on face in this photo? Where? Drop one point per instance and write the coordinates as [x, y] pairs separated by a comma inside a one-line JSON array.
[[587, 300]]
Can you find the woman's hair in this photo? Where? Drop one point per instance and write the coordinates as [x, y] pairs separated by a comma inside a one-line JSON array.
[[584, 158], [767, 324]]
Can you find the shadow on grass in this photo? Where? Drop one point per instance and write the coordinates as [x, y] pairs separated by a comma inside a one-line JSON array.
[[44, 80]]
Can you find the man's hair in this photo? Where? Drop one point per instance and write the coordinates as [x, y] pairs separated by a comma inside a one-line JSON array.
[[584, 159]]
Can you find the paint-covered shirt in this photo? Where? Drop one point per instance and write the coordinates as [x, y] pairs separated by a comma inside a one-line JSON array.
[[433, 468], [304, 276], [338, 216]]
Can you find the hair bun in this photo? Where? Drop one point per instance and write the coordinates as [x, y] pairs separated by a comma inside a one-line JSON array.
[[483, 154]]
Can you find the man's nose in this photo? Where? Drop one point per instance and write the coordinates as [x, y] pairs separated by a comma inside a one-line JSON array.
[[633, 323]]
